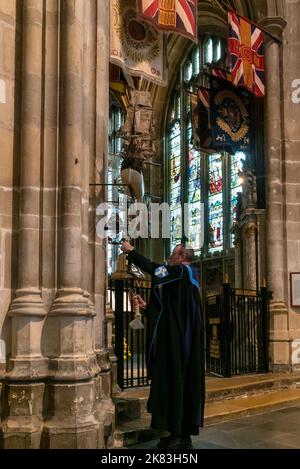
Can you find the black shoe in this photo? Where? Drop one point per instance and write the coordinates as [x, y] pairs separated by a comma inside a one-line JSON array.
[[164, 441], [179, 442]]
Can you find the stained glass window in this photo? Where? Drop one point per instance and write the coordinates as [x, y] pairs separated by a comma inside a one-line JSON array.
[[175, 184], [198, 179], [215, 203], [194, 196], [236, 166], [208, 51], [116, 120]]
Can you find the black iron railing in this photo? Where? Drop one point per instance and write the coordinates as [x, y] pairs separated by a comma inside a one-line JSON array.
[[237, 332], [130, 345]]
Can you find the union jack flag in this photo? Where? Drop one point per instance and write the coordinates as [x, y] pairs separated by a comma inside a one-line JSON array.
[[245, 45], [179, 16]]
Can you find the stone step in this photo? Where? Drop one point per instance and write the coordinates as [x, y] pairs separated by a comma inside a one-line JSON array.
[[138, 431], [129, 409], [231, 388], [132, 403]]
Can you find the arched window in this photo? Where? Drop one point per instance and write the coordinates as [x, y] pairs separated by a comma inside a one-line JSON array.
[[207, 183], [116, 120]]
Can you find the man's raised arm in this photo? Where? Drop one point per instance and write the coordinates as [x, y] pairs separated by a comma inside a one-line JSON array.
[[140, 261]]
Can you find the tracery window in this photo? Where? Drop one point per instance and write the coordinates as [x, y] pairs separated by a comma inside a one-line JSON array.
[[203, 180], [116, 120]]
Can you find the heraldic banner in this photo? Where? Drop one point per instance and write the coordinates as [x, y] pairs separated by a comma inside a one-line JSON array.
[[200, 116], [178, 16], [246, 52], [230, 110], [135, 45]]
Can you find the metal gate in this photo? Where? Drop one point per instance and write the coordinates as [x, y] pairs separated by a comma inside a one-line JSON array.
[[129, 345], [237, 331]]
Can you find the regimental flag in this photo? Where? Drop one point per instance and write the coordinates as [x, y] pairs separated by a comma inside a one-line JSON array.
[[179, 16], [200, 118], [135, 45], [245, 46], [230, 109]]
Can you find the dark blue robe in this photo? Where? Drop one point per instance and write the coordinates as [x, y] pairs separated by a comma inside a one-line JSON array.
[[175, 347]]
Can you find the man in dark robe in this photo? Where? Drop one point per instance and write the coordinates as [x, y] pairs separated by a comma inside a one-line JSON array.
[[175, 347]]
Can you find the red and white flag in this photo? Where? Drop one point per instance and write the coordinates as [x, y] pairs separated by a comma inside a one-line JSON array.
[[179, 16], [245, 46], [136, 46]]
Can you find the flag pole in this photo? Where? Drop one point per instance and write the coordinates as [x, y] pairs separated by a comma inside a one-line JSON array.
[[260, 27], [226, 9]]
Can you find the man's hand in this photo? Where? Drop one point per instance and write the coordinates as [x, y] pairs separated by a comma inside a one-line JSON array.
[[138, 301], [126, 247]]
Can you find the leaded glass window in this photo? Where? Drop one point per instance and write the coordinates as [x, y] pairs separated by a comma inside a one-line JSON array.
[[116, 120], [175, 183], [236, 167], [197, 178], [215, 203]]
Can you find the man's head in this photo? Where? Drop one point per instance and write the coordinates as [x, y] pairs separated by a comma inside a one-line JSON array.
[[181, 255]]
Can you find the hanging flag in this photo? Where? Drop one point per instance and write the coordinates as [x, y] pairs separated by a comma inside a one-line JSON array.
[[135, 45], [179, 16], [115, 83], [230, 117], [200, 118], [245, 46], [221, 73]]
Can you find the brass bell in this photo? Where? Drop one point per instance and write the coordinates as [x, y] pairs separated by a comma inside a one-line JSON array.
[[122, 268]]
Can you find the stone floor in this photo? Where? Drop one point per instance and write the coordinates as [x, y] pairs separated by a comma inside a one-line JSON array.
[[278, 429]]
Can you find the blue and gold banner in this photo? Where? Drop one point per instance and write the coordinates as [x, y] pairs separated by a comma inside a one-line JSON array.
[[230, 110]]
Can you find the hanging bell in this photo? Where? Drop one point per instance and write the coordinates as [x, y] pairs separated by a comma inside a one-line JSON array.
[[122, 268]]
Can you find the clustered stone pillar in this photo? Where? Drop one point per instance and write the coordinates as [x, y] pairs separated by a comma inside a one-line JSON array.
[[251, 267], [58, 389], [276, 243], [105, 408], [24, 425], [72, 423]]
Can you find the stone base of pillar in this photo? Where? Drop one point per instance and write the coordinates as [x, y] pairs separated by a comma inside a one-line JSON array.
[[280, 343], [116, 390], [70, 368], [72, 424], [93, 364], [280, 368], [27, 368], [280, 354], [23, 415], [27, 312], [105, 408], [70, 317]]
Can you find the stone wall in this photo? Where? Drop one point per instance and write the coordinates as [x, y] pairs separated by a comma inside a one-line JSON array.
[[8, 172], [291, 169], [56, 383]]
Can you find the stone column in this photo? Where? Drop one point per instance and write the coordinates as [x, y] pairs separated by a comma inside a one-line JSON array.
[[238, 258], [276, 242], [50, 158], [27, 310], [89, 154], [71, 394], [105, 409], [23, 425], [250, 280]]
